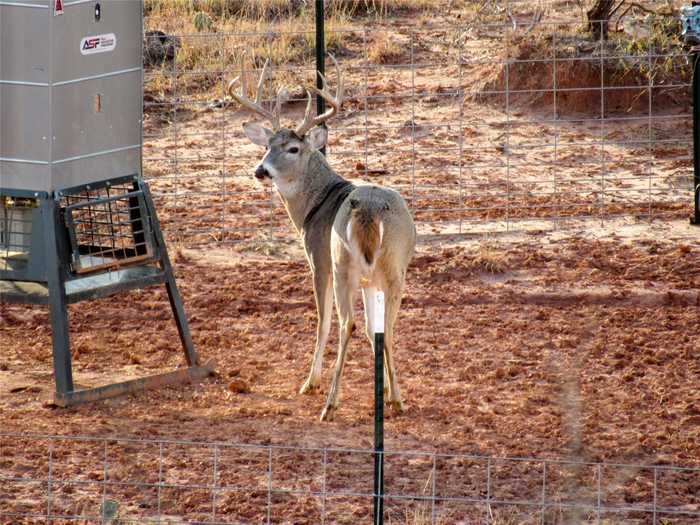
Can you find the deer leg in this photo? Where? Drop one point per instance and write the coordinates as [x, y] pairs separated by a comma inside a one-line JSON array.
[[324, 306], [368, 298], [393, 303], [343, 303]]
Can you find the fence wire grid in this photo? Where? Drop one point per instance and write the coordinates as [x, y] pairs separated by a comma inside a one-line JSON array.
[[514, 122], [57, 479]]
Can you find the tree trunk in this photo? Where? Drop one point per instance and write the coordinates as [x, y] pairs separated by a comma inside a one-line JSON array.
[[599, 18]]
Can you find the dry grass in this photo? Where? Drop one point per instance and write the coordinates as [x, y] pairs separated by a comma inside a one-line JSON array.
[[202, 56], [270, 10], [290, 39], [381, 7], [249, 9], [289, 22], [385, 50], [488, 257]]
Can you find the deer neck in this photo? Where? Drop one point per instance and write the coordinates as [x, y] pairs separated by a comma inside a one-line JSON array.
[[311, 187]]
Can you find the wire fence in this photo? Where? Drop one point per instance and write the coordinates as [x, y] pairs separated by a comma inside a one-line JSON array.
[[506, 122], [78, 479]]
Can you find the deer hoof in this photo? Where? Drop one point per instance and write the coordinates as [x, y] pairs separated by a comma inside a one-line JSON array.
[[398, 406], [309, 387], [328, 413]]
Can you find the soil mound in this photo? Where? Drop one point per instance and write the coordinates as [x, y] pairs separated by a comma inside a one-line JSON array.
[[583, 80]]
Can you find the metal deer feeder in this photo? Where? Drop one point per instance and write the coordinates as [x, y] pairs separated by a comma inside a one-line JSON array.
[[77, 220]]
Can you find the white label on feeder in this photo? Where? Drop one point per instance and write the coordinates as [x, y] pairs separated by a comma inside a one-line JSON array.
[[379, 312], [98, 44]]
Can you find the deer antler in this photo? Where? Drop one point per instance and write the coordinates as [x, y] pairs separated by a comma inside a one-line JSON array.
[[310, 121], [256, 106]]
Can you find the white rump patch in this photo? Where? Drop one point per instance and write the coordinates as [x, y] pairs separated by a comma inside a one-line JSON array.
[[348, 231], [353, 245]]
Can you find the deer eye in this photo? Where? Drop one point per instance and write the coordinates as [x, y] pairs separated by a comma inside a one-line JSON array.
[[293, 150]]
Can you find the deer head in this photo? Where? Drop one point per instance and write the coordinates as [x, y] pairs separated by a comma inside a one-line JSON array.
[[288, 150]]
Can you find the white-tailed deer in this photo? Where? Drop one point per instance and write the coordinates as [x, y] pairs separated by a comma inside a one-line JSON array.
[[354, 236]]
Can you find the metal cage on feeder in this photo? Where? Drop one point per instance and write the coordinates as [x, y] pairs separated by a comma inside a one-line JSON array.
[[77, 220]]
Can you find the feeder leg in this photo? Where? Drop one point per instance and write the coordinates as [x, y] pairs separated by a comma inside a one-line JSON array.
[[58, 305], [179, 313], [173, 293]]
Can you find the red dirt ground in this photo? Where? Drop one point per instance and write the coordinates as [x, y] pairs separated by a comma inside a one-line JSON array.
[[549, 346], [563, 348]]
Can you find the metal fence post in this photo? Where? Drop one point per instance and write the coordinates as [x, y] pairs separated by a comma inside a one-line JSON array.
[[378, 323], [58, 302], [695, 219], [320, 59]]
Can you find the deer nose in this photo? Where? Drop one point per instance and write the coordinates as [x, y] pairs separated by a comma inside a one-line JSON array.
[[261, 172]]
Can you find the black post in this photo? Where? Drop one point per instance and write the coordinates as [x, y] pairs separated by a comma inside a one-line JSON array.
[[695, 219], [379, 412], [58, 303], [320, 59]]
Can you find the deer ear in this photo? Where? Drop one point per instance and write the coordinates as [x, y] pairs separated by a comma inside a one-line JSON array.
[[316, 138], [257, 133]]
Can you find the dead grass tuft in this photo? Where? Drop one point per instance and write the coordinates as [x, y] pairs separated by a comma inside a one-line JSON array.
[[488, 257], [384, 50], [267, 248]]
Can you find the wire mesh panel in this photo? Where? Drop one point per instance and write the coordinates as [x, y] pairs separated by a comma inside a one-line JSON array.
[[511, 116], [108, 226], [16, 215], [113, 480]]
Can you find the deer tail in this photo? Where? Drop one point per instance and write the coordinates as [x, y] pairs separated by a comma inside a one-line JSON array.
[[365, 232]]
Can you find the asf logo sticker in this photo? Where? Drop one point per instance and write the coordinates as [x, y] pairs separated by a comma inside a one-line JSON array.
[[98, 44]]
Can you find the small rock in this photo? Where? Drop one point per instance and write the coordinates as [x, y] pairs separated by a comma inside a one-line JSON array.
[[159, 48], [218, 103], [238, 386], [24, 388], [109, 510]]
